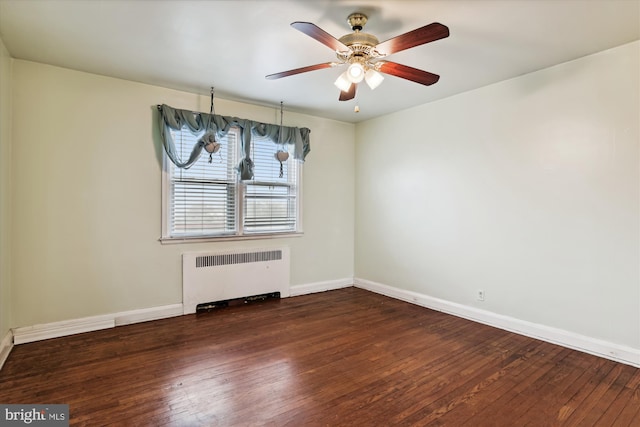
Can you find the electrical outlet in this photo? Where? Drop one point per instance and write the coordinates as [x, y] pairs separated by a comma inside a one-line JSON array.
[[480, 295]]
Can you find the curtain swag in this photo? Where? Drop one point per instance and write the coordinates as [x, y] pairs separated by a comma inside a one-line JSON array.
[[214, 124]]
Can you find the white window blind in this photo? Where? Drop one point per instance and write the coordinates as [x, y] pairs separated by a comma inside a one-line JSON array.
[[202, 198]]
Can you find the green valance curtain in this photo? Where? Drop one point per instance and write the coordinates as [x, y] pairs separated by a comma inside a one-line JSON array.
[[197, 123]]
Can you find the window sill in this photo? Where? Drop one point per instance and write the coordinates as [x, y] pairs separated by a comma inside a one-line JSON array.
[[179, 240]]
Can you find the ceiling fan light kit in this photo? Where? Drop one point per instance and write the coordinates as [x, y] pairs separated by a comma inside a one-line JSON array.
[[342, 82], [355, 72], [373, 78], [363, 53]]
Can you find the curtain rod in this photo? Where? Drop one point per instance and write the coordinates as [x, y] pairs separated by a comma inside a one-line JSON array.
[[261, 105], [159, 106]]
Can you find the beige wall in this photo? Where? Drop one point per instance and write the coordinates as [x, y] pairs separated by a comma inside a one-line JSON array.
[[87, 187], [527, 189], [5, 190]]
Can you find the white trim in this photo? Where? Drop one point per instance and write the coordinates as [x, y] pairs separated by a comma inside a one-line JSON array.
[[300, 195], [597, 347], [601, 348], [148, 314], [164, 197], [180, 240], [45, 331], [6, 345], [94, 323], [328, 285], [60, 329]]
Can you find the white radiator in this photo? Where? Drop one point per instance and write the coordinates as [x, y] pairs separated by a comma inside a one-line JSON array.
[[209, 277]]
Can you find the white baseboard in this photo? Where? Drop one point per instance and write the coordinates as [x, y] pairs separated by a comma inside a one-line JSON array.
[[597, 347], [45, 331], [147, 314], [608, 350], [93, 323], [328, 285], [5, 347]]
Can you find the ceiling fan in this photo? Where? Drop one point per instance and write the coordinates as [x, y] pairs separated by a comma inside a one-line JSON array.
[[363, 54]]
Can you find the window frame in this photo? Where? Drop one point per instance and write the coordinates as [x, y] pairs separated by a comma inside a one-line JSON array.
[[240, 205]]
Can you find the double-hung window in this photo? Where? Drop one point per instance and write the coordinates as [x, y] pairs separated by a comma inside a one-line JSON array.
[[270, 201], [208, 201]]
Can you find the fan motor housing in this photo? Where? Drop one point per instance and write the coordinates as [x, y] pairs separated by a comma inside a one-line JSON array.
[[359, 38], [361, 46]]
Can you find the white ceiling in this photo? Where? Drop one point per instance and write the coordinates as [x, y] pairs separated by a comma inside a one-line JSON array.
[[232, 45]]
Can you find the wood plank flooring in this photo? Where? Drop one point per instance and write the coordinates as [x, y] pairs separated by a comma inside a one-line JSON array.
[[340, 358]]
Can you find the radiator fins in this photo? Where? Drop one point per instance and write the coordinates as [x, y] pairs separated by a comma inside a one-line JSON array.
[[240, 258]]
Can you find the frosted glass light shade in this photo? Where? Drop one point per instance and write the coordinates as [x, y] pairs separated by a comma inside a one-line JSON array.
[[342, 82], [373, 78], [355, 72]]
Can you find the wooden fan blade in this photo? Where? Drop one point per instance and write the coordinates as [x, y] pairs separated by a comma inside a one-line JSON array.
[[426, 34], [409, 73], [313, 31], [350, 94], [299, 70]]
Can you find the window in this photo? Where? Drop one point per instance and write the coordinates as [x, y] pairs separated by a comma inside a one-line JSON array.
[[270, 202], [208, 200]]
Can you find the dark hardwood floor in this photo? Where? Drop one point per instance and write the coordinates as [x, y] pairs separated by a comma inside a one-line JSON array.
[[340, 358]]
